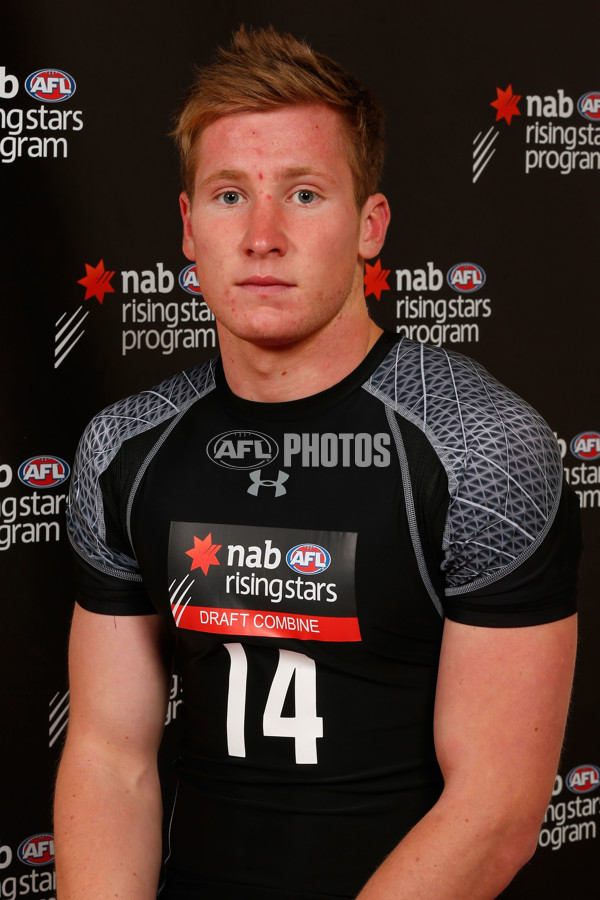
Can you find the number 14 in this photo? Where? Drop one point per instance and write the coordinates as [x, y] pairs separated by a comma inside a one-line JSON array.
[[304, 727]]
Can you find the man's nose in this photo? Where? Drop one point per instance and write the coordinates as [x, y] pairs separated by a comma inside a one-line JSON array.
[[265, 232]]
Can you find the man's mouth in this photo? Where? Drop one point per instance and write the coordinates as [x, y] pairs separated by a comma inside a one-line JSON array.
[[265, 284]]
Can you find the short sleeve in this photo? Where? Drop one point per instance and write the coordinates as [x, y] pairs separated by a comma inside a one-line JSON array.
[[512, 535], [101, 593], [109, 463], [106, 571], [543, 588], [511, 539]]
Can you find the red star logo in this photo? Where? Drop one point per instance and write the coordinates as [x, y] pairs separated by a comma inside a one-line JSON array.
[[204, 553], [376, 279], [97, 281], [506, 104]]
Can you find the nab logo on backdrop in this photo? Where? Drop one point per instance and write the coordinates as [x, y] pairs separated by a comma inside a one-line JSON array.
[[43, 472], [425, 315], [163, 323], [375, 279], [583, 779], [554, 140], [37, 850], [50, 85], [97, 282]]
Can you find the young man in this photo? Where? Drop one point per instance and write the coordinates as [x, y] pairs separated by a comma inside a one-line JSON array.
[[358, 548]]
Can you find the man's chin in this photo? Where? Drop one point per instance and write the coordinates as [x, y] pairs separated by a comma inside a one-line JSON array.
[[278, 341], [272, 336]]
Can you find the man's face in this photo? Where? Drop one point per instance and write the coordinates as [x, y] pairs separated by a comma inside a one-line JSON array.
[[273, 227]]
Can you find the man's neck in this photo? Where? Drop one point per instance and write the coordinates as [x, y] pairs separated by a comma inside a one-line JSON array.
[[301, 369]]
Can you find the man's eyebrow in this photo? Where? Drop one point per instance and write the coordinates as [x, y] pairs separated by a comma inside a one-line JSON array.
[[300, 172], [222, 175], [284, 174]]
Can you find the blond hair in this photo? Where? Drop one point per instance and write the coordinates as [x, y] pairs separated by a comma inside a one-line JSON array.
[[263, 70]]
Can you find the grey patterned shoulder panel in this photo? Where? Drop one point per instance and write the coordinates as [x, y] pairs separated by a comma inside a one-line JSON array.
[[503, 464], [98, 447]]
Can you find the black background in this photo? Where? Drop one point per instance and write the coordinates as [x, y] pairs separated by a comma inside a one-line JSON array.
[[436, 67]]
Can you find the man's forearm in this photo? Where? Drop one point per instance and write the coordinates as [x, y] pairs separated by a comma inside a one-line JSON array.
[[107, 829], [453, 853]]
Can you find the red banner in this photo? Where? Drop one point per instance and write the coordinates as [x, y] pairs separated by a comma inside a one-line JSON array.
[[257, 623]]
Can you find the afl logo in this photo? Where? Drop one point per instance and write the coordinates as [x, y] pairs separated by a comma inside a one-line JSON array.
[[466, 277], [188, 280], [308, 559], [37, 850], [586, 445], [583, 779], [242, 449], [589, 106], [43, 471], [50, 85]]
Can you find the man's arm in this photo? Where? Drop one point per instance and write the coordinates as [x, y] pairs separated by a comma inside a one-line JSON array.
[[501, 705], [108, 805]]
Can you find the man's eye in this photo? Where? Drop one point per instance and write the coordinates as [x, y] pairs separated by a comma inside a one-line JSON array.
[[304, 196], [230, 198]]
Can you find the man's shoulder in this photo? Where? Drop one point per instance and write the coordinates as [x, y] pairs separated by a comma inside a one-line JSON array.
[[150, 408], [480, 430], [147, 413], [418, 376], [501, 458], [454, 399]]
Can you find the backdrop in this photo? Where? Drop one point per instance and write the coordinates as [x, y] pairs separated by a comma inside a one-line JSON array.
[[493, 175]]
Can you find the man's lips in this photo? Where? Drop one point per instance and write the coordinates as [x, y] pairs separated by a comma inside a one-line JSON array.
[[265, 279], [264, 284]]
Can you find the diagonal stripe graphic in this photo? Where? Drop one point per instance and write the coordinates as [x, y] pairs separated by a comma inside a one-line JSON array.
[[58, 716], [68, 340], [483, 151]]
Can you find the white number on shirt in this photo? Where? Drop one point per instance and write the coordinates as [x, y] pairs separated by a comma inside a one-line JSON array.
[[304, 727]]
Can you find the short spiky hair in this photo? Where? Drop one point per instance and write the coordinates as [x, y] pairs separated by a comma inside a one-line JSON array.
[[263, 70]]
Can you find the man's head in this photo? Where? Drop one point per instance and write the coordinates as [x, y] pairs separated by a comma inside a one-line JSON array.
[[262, 71]]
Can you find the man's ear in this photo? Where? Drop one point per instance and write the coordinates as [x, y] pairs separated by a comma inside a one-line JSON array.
[[374, 221], [185, 205]]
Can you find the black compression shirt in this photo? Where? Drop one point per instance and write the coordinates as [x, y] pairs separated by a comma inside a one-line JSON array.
[[303, 555]]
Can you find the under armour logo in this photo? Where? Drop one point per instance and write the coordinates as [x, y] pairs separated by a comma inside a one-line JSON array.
[[282, 477]]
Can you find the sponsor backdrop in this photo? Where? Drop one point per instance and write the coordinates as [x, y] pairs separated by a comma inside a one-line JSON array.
[[493, 174]]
